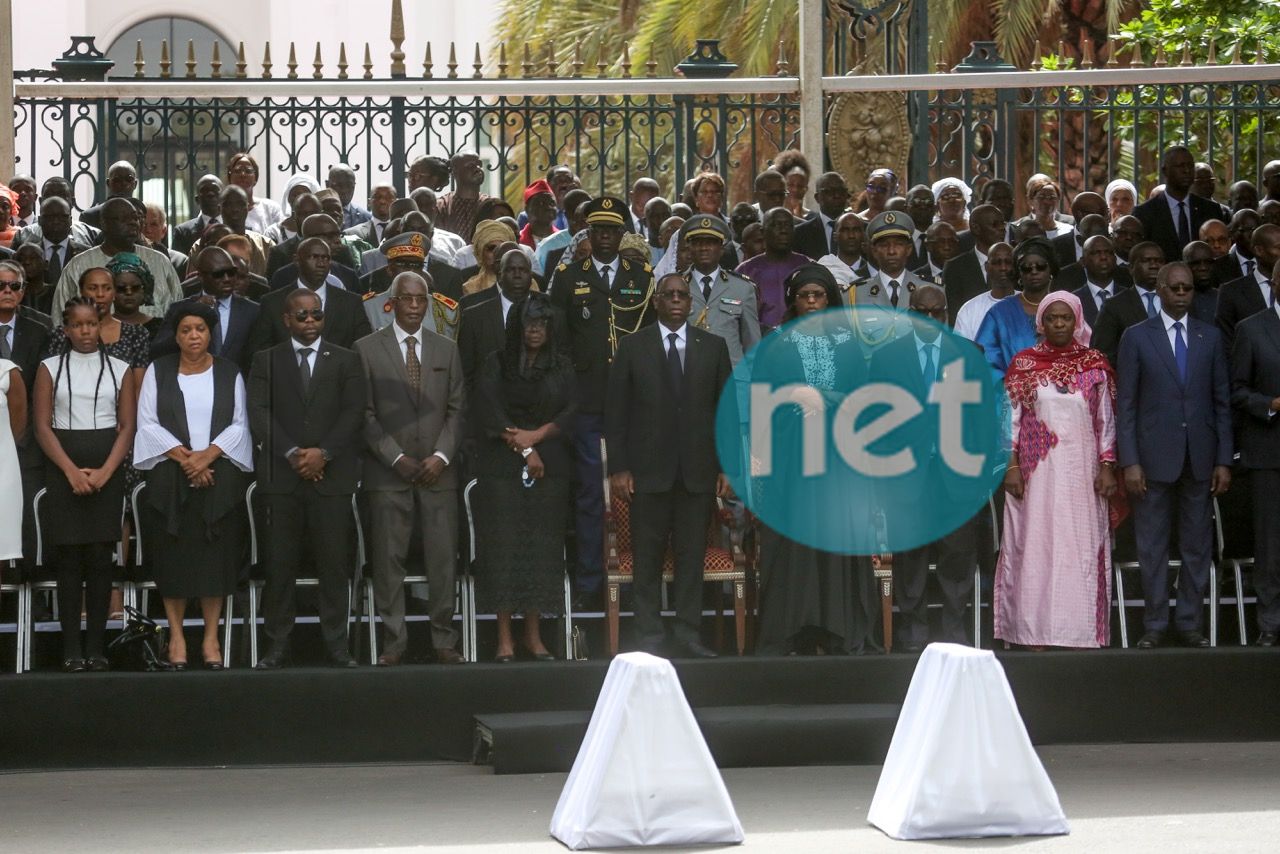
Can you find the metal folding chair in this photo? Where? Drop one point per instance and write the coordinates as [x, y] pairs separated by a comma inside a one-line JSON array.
[[138, 594], [470, 582], [19, 621]]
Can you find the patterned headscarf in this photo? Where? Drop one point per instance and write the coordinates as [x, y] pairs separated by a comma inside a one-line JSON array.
[[667, 263], [631, 240], [488, 230], [128, 262], [1044, 364]]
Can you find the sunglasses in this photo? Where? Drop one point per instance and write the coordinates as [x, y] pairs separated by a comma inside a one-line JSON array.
[[129, 289], [302, 314], [1033, 268], [226, 273], [11, 286]]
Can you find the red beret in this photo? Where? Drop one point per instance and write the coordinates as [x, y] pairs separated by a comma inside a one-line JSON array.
[[538, 186]]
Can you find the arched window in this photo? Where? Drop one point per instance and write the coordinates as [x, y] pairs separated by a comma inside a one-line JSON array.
[[177, 31]]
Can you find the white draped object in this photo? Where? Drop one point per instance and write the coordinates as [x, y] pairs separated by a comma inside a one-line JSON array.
[[644, 775], [961, 763]]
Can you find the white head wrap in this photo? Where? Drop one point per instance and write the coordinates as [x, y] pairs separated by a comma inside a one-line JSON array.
[[942, 183], [1120, 184]]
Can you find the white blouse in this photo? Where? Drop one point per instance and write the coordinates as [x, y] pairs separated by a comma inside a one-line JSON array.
[[264, 214], [85, 378], [153, 440]]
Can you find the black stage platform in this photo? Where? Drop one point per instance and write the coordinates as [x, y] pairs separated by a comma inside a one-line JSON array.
[[422, 713]]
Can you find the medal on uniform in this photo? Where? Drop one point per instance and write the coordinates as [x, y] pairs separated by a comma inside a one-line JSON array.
[[586, 313]]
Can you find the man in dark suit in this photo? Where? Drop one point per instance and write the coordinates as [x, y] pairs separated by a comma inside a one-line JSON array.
[[381, 197], [964, 276], [122, 180], [1204, 305], [603, 298], [305, 205], [1239, 260], [1173, 441], [1255, 396], [345, 320], [209, 200], [660, 417], [306, 410], [22, 341], [1247, 295], [1131, 305], [1101, 280], [236, 315], [941, 245], [484, 314], [914, 362], [816, 237], [1070, 246], [413, 428], [1173, 218], [323, 227], [56, 241]]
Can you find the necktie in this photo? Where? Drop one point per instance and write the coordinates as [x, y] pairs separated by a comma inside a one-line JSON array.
[[604, 274], [1184, 227], [304, 366], [1248, 267], [706, 289], [930, 369], [1102, 298], [893, 293], [412, 366], [53, 271], [5, 349], [1150, 297], [831, 237], [674, 368], [1180, 350]]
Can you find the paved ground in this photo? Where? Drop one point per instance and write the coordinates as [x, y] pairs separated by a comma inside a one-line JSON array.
[[1133, 798]]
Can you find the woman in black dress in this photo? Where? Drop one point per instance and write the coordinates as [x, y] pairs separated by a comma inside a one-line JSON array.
[[193, 443], [524, 406], [84, 422], [813, 600]]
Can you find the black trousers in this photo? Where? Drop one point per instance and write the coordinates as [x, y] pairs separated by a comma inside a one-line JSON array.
[[325, 523], [681, 518], [86, 565], [1187, 504], [956, 556], [1266, 533]]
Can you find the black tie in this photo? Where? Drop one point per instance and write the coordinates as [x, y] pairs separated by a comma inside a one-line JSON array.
[[1102, 298], [706, 289], [930, 369], [1184, 227], [304, 366], [893, 293], [674, 368], [6, 349], [1248, 267], [53, 271], [604, 274], [831, 238]]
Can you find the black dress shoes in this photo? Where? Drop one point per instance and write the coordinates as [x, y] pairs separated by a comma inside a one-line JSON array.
[[341, 658], [273, 660], [74, 665], [912, 648], [1267, 639], [1151, 640], [1193, 639], [695, 649]]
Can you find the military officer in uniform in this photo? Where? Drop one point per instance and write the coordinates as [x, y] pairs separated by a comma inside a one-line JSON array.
[[407, 252], [603, 299], [890, 237], [723, 303]]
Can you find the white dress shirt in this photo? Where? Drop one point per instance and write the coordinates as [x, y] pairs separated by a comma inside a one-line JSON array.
[[612, 266], [1264, 285], [1173, 211], [681, 339], [298, 347], [982, 262], [1142, 298], [506, 306], [1097, 290], [63, 247], [1171, 333]]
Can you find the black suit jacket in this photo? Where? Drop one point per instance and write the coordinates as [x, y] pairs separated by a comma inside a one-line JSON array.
[[345, 321], [1237, 299], [1225, 269], [655, 433], [811, 238], [1065, 247], [1072, 278], [329, 416], [1157, 222], [1255, 382], [1089, 305], [962, 279], [1121, 311], [27, 348], [244, 313], [92, 216], [480, 332], [185, 234], [445, 280], [287, 277]]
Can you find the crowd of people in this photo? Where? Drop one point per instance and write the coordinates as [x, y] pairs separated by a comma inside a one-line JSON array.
[[325, 350]]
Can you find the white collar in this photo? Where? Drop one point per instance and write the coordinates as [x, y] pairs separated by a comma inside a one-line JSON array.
[[612, 265], [1169, 321], [681, 333], [505, 304], [297, 345], [64, 243], [1108, 287], [401, 334], [714, 274]]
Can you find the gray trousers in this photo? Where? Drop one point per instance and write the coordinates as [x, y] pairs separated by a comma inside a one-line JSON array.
[[393, 516]]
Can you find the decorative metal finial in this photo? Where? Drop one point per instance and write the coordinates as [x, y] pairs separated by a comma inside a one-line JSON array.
[[601, 66], [626, 61], [1235, 54], [552, 63], [318, 65], [453, 62], [342, 61], [940, 66], [1160, 61], [293, 62], [266, 62], [397, 39], [526, 67], [242, 66], [165, 64], [368, 63], [1213, 52], [1086, 52], [477, 64], [139, 64], [427, 64], [1259, 59], [191, 58], [577, 59], [1186, 56], [502, 60], [216, 62], [782, 68], [1112, 48]]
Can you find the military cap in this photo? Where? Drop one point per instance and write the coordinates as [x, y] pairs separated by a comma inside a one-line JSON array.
[[705, 226], [889, 224], [606, 210], [410, 244]]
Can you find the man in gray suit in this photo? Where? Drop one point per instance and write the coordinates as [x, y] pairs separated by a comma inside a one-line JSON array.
[[723, 303], [413, 427]]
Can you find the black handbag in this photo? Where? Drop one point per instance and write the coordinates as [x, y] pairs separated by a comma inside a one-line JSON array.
[[138, 646]]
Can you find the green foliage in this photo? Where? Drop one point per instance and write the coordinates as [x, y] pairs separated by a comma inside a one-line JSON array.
[[1174, 23]]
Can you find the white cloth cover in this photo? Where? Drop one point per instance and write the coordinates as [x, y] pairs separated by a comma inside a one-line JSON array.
[[961, 763], [644, 775]]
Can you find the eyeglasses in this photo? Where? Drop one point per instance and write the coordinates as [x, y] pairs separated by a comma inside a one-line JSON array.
[[226, 273], [412, 299], [243, 169], [877, 188], [129, 289], [1032, 268], [302, 314], [11, 286]]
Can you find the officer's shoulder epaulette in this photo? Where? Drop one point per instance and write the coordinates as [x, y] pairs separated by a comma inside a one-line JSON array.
[[561, 267], [450, 304], [586, 265], [369, 296], [648, 268]]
